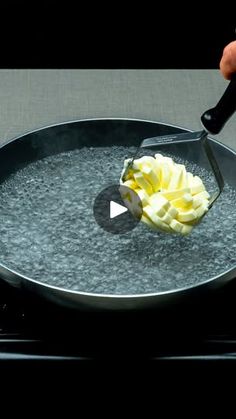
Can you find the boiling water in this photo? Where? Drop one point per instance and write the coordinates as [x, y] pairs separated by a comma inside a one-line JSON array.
[[48, 232]]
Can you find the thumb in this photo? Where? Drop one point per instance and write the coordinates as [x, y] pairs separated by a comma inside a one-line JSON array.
[[228, 61]]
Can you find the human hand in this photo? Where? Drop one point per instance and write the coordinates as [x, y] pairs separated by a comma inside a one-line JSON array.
[[228, 61]]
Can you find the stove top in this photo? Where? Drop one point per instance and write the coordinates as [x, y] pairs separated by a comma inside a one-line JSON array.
[[32, 329]]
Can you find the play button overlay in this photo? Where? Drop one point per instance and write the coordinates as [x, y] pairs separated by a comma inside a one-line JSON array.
[[117, 209]]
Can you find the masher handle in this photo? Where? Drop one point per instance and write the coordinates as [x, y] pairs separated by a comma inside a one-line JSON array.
[[215, 118]]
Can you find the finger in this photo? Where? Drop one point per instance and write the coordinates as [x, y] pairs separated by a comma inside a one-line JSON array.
[[228, 61]]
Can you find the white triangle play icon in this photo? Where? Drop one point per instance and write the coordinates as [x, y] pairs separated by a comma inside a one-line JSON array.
[[116, 209]]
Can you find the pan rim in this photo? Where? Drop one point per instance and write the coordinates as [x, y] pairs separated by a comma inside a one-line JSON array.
[[72, 121], [189, 288], [227, 275]]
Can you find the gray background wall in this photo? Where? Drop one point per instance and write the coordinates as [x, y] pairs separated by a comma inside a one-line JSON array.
[[30, 99]]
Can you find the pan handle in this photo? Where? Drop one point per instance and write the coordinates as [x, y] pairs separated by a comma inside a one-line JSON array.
[[215, 118]]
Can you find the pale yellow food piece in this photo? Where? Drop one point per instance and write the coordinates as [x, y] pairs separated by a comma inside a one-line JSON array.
[[183, 180], [130, 184], [160, 158], [165, 165], [167, 218], [145, 160], [168, 162], [149, 212], [176, 176], [202, 209], [196, 185], [173, 199], [189, 178], [138, 164], [152, 163], [170, 195], [152, 178], [159, 203], [185, 216], [176, 226], [143, 196], [159, 211], [130, 173], [197, 189], [147, 221], [165, 175], [186, 229], [199, 198], [204, 195], [143, 183], [183, 202], [172, 212]]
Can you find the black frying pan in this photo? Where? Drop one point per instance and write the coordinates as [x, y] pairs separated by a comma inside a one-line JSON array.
[[52, 246]]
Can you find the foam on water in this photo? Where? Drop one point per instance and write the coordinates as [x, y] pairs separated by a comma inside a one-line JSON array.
[[48, 231]]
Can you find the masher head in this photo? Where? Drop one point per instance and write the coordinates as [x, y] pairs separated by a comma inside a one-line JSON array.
[[198, 136]]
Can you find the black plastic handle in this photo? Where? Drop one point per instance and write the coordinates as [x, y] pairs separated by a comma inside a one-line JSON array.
[[214, 119]]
